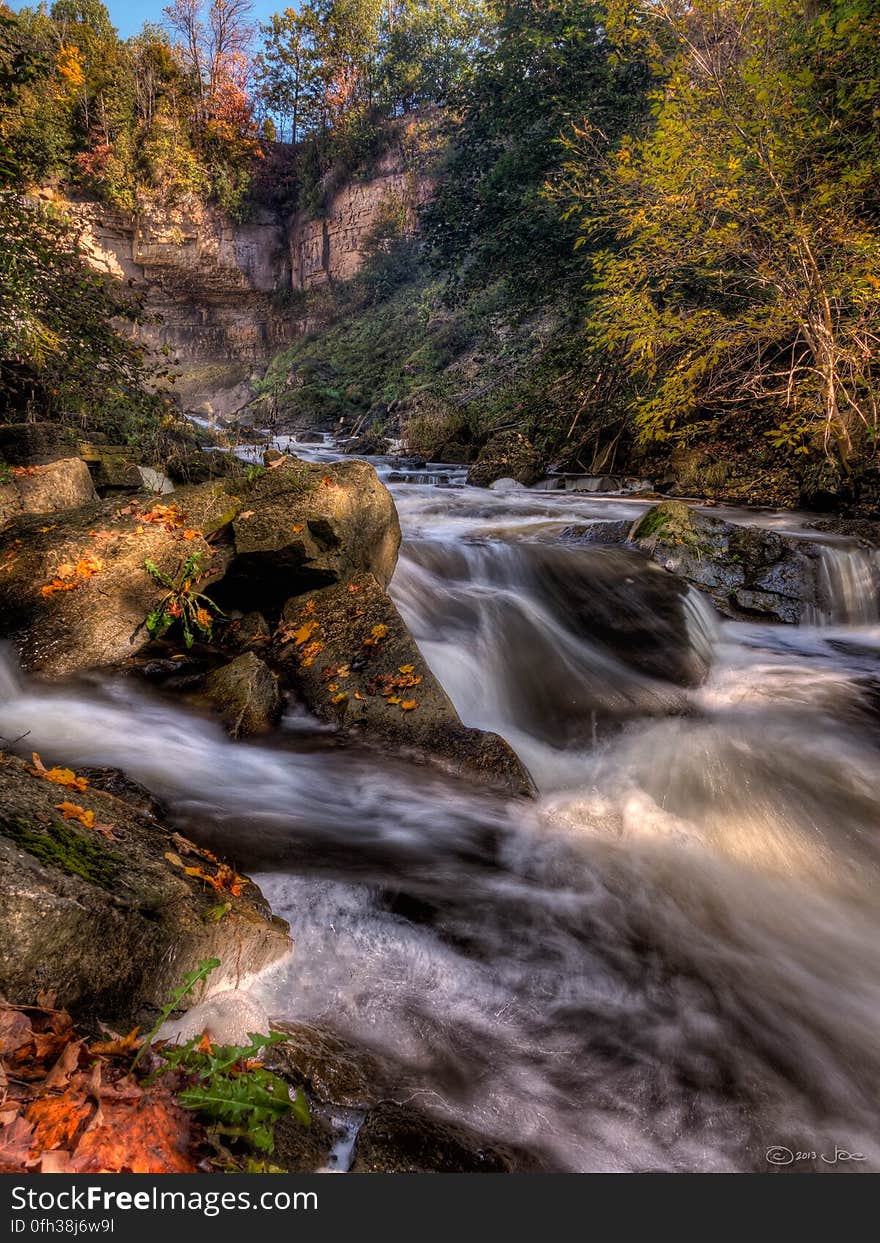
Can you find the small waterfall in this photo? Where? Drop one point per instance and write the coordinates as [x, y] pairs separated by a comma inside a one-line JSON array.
[[849, 580]]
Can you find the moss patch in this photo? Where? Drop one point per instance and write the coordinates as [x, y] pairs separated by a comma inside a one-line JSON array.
[[61, 846]]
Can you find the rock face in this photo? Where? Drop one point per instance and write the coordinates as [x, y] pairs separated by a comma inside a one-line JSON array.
[[302, 525], [218, 287], [351, 658], [331, 247], [245, 692], [212, 284], [65, 484], [748, 572], [105, 915]]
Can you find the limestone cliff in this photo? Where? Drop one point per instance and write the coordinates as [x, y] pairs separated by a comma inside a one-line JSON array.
[[218, 291]]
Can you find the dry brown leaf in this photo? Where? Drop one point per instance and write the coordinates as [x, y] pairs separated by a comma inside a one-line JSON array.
[[152, 1135]]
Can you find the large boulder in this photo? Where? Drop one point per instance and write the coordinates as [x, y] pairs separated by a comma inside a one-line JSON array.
[[303, 526], [76, 592], [507, 455], [749, 572], [354, 663], [45, 489], [98, 907]]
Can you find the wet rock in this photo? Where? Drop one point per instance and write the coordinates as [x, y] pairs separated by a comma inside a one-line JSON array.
[[250, 631], [397, 1139], [748, 571], [331, 1070], [506, 485], [245, 692], [53, 487], [508, 455], [106, 917], [309, 437], [616, 532], [75, 593], [368, 445], [301, 526], [617, 598], [348, 653]]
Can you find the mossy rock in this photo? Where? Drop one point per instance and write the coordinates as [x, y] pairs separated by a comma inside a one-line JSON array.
[[107, 917]]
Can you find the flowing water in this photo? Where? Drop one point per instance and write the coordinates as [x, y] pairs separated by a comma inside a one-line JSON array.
[[668, 961]]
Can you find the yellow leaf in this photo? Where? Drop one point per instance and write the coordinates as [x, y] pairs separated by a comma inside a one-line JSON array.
[[73, 811]]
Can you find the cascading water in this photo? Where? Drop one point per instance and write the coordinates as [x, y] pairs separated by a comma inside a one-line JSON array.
[[668, 960]]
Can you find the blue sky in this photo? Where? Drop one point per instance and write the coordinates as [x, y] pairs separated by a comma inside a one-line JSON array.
[[129, 15]]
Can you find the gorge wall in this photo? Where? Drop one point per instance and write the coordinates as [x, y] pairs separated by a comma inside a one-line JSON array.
[[217, 291]]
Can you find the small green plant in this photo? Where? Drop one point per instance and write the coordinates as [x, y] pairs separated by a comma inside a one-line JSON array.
[[226, 1085], [229, 1088], [194, 610], [253, 473], [190, 980]]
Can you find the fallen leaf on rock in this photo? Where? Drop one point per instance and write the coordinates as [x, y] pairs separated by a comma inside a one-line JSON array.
[[327, 482], [279, 461], [304, 633], [298, 528], [353, 588], [15, 1146], [69, 575], [308, 654], [377, 634], [408, 705], [61, 776], [73, 811], [248, 513], [57, 1120], [340, 698], [15, 1032]]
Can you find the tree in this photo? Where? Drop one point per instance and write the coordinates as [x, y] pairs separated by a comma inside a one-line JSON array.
[[61, 351], [285, 70], [742, 280], [542, 68]]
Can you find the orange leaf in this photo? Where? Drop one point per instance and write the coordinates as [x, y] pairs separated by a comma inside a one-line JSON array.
[[304, 633], [119, 1046], [73, 811], [152, 1135], [408, 705]]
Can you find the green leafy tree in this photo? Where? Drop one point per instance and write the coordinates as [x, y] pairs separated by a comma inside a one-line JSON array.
[[62, 354], [741, 279], [544, 67]]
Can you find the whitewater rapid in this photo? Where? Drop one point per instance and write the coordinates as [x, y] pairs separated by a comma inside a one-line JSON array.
[[668, 961]]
